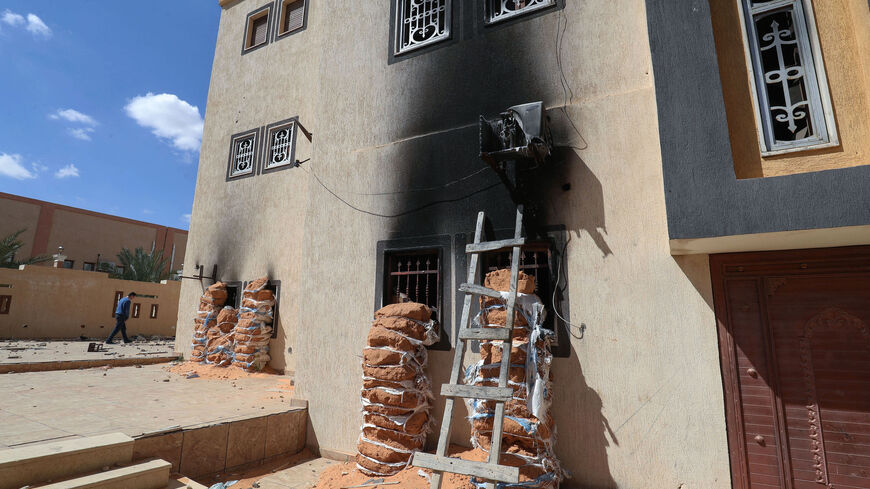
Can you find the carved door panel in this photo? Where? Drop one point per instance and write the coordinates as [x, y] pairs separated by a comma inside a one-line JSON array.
[[794, 331]]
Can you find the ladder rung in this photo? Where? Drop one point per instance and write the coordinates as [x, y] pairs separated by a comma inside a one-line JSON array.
[[502, 334], [498, 473], [494, 245], [477, 392], [479, 290]]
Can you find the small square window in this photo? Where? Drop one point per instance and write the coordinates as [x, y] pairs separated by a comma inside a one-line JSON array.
[[280, 145], [501, 10], [243, 155], [89, 266], [257, 29], [153, 314], [69, 263], [5, 303], [119, 269], [118, 295], [420, 23], [292, 17], [136, 307]]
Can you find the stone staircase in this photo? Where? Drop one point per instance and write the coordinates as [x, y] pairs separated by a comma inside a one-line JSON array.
[[97, 462]]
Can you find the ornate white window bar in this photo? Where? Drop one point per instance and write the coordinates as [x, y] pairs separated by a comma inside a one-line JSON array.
[[243, 156], [421, 23], [499, 10], [281, 141], [792, 102]]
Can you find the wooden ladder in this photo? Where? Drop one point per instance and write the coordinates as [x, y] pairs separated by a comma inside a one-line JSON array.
[[440, 462]]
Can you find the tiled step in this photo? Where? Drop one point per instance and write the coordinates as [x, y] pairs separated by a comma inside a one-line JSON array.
[[63, 459], [150, 474]]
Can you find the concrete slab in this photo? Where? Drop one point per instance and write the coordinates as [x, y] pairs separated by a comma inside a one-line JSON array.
[[34, 356], [42, 406], [302, 476]]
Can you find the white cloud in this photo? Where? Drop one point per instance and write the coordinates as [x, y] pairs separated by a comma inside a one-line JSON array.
[[12, 18], [83, 133], [147, 212], [169, 118], [73, 115], [185, 218], [37, 27], [10, 166], [67, 171]]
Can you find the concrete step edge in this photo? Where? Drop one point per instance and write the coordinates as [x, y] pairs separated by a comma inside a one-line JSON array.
[[149, 474]]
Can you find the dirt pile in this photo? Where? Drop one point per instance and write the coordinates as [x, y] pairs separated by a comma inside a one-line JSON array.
[[254, 327], [529, 431], [396, 393], [210, 304]]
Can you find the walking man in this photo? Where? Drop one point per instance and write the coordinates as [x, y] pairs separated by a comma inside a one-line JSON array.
[[121, 315]]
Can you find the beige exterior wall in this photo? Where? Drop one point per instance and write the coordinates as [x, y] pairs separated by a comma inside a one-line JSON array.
[[638, 403], [84, 234], [58, 303]]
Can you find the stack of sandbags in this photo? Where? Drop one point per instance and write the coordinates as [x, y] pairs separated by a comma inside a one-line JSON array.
[[529, 431], [210, 303], [220, 346], [254, 329], [396, 392]]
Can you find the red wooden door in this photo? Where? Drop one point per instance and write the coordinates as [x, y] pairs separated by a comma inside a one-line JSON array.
[[795, 341]]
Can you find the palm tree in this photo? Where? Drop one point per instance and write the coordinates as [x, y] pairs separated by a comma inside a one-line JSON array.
[[10, 246], [141, 266]]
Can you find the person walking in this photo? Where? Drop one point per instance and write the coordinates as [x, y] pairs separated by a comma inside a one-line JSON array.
[[121, 315]]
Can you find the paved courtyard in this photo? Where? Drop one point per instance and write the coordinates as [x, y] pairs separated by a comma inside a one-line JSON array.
[[42, 406], [30, 351]]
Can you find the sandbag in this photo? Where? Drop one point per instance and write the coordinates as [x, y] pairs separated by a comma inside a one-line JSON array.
[[254, 328], [396, 393], [210, 303]]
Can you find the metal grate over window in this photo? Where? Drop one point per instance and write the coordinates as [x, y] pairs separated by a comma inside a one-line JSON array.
[[499, 10], [790, 86], [243, 156], [420, 23], [414, 276], [281, 145]]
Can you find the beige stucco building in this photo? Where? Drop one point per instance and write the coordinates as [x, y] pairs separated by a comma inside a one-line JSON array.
[[632, 211], [87, 237]]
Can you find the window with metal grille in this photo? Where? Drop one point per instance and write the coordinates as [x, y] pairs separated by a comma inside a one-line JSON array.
[[413, 276], [292, 16], [243, 154], [500, 10], [281, 141], [136, 307], [793, 106], [153, 314], [5, 303], [535, 260], [420, 23]]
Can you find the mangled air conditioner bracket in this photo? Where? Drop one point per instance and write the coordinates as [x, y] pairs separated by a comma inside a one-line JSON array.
[[201, 275], [519, 134]]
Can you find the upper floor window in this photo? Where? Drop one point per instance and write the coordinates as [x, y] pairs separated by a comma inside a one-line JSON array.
[[243, 154], [281, 145], [499, 10], [257, 28], [420, 23], [793, 105], [292, 16]]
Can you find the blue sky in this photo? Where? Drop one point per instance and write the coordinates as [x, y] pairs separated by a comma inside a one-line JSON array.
[[101, 103]]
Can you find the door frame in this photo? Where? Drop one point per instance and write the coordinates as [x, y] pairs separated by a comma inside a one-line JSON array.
[[758, 265]]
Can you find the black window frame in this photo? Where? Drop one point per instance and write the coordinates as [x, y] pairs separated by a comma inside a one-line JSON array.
[[249, 19], [280, 5], [5, 304], [443, 245]]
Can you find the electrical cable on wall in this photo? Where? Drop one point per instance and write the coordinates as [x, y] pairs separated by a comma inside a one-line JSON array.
[[582, 327], [566, 86]]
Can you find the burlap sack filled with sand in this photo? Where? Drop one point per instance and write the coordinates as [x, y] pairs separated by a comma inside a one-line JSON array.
[[210, 304], [396, 393], [220, 346], [254, 328], [529, 431]]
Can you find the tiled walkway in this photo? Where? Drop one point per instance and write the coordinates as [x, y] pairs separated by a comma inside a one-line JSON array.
[[27, 351], [41, 406]]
